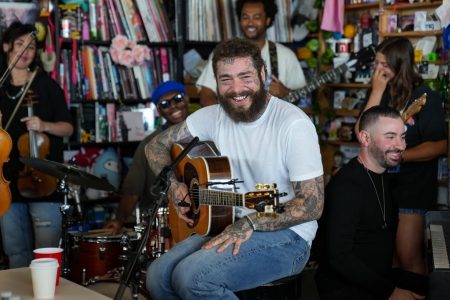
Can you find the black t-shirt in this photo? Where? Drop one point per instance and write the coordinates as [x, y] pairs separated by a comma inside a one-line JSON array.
[[51, 107], [415, 186], [355, 250]]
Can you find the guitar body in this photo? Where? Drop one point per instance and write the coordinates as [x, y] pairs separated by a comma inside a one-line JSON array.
[[196, 170]]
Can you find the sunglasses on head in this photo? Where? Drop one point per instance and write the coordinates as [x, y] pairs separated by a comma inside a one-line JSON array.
[[165, 103]]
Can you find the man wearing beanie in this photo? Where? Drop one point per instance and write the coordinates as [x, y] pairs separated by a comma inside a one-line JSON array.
[[172, 103]]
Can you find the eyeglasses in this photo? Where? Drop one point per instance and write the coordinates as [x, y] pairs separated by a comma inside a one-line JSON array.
[[165, 103]]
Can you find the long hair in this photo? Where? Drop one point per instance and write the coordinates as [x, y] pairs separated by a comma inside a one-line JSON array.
[[399, 54], [10, 35]]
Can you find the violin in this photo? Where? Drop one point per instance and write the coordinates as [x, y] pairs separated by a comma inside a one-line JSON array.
[[32, 183], [5, 150]]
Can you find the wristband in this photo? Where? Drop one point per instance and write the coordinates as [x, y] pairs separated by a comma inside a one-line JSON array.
[[250, 222]]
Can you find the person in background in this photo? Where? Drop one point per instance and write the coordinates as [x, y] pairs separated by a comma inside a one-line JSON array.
[[357, 229], [284, 70], [172, 103], [396, 83], [267, 140], [30, 222]]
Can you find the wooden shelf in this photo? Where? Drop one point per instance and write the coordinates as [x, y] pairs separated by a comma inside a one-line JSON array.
[[411, 34], [349, 85], [412, 6], [362, 6]]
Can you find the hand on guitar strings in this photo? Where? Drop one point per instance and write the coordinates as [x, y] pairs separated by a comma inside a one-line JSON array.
[[236, 233], [178, 192]]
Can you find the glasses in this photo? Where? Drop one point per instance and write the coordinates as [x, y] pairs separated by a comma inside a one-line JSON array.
[[165, 103]]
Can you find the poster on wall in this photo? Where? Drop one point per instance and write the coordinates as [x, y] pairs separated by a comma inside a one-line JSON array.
[[26, 13]]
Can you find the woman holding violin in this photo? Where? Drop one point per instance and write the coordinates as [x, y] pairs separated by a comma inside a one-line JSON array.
[[33, 219]]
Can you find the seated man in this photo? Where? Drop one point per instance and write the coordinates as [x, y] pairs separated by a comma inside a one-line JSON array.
[[357, 230], [266, 140], [172, 103]]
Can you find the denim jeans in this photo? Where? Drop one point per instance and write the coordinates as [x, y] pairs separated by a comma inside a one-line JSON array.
[[20, 222], [188, 272]]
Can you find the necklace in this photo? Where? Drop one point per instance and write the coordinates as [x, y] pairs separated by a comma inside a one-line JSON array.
[[14, 97], [382, 208]]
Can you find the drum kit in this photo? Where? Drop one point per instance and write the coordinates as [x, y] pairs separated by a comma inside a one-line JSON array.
[[97, 259]]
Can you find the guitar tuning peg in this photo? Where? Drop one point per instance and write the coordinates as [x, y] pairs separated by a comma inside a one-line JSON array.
[[258, 186], [267, 186]]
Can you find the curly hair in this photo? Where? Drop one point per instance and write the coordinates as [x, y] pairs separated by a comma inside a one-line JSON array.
[[270, 8], [399, 54], [238, 47]]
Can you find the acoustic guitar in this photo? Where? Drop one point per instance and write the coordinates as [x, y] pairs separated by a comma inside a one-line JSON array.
[[210, 184]]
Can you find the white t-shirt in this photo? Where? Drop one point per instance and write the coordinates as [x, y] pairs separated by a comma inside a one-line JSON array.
[[280, 147], [290, 72]]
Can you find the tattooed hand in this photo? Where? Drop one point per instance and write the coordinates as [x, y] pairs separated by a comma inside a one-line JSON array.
[[177, 193], [236, 233]]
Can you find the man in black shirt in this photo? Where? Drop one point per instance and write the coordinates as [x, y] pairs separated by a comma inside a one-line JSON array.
[[357, 229]]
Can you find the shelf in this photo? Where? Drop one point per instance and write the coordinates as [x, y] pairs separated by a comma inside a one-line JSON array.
[[107, 43], [349, 85], [411, 33], [362, 6], [412, 6]]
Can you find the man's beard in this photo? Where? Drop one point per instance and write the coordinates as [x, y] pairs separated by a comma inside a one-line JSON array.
[[381, 157], [241, 115]]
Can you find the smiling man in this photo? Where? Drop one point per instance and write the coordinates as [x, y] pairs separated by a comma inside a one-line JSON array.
[[266, 140], [172, 103], [357, 230], [284, 71]]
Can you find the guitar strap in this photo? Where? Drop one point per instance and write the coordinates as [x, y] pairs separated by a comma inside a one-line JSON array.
[[273, 58]]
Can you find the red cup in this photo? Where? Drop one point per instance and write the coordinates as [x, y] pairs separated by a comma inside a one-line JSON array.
[[56, 253]]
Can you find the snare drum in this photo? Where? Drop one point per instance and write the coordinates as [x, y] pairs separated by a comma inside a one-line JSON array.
[[92, 256]]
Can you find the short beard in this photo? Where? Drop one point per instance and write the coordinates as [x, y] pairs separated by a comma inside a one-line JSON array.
[[252, 113], [381, 157]]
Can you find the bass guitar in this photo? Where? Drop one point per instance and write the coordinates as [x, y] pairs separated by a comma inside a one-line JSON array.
[[360, 60], [414, 107], [208, 178]]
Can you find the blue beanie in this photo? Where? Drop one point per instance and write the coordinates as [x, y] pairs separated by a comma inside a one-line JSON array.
[[167, 87]]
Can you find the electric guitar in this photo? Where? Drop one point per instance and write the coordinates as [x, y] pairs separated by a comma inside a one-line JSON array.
[[209, 181], [414, 107], [360, 60]]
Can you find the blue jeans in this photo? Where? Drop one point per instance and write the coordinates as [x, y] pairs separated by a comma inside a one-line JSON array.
[[188, 272], [20, 222]]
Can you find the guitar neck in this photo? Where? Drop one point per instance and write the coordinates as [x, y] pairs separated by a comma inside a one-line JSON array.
[[296, 95], [221, 198]]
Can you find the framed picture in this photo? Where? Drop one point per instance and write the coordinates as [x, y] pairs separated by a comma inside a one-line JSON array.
[[26, 13]]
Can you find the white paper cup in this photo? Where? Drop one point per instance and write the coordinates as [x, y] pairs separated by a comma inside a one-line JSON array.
[[43, 277]]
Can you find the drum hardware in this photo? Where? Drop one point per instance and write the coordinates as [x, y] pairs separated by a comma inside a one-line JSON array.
[[160, 186], [66, 174]]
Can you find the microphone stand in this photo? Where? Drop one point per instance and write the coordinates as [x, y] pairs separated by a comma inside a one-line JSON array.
[[159, 188]]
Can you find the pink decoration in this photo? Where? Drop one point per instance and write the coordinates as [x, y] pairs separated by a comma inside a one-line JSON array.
[[127, 52]]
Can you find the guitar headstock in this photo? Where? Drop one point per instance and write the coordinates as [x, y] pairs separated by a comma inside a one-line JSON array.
[[415, 107], [263, 199], [363, 58]]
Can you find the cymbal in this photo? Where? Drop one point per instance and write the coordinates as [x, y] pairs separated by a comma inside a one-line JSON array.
[[71, 174]]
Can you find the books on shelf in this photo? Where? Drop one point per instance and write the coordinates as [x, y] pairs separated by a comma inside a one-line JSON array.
[[139, 20]]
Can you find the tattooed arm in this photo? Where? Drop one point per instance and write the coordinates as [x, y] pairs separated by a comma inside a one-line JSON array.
[[157, 152], [306, 206]]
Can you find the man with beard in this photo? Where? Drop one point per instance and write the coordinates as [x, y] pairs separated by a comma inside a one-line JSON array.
[[357, 230], [266, 140], [284, 71], [172, 103]]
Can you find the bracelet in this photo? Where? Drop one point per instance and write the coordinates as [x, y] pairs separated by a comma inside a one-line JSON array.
[[250, 222]]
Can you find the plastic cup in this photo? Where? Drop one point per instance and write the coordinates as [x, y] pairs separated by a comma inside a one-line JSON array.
[[43, 277], [56, 253]]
